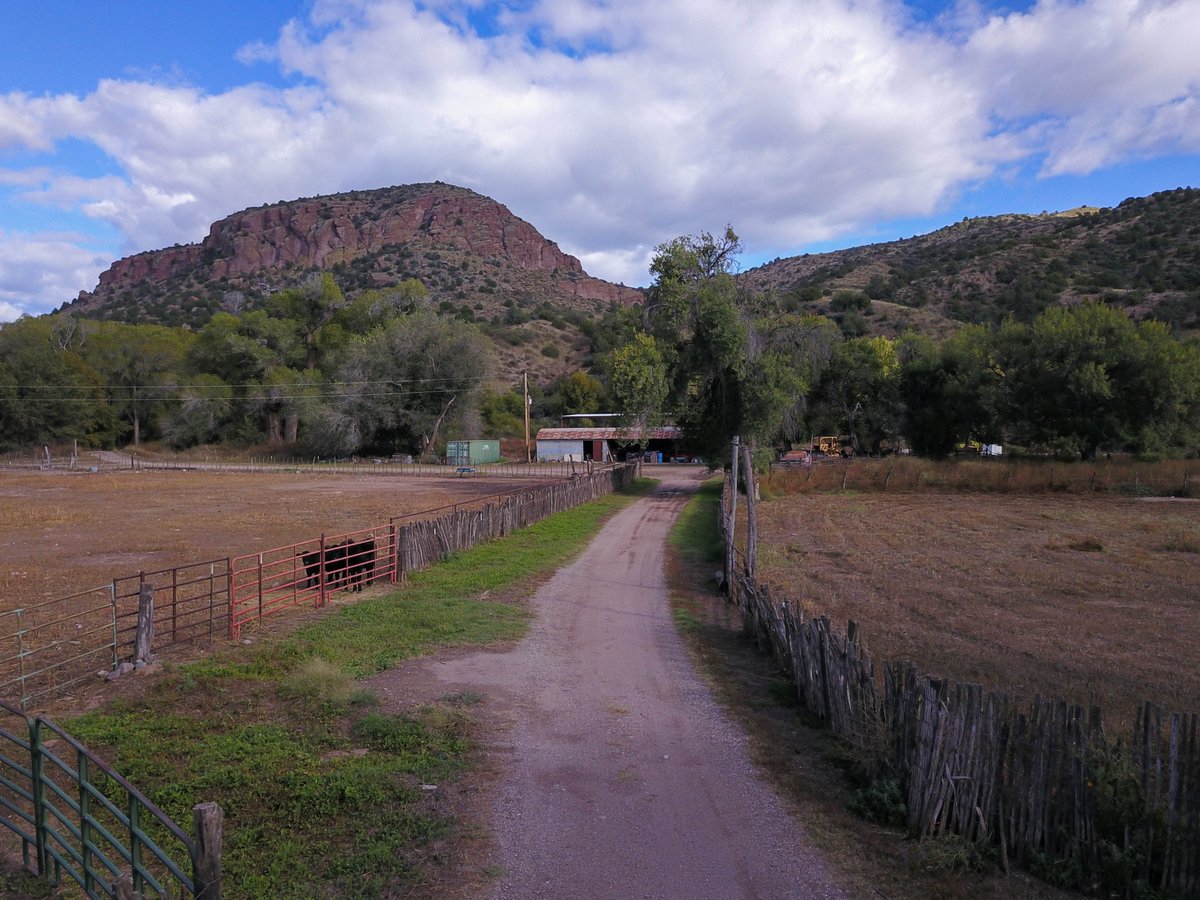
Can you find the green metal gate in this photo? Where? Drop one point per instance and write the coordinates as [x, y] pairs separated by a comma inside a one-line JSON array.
[[74, 817]]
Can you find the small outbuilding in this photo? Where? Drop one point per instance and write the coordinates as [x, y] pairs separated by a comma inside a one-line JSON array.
[[661, 444], [472, 453]]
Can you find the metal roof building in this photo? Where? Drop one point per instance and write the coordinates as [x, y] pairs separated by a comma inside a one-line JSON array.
[[605, 444]]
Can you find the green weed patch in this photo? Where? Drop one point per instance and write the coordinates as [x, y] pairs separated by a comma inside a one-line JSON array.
[[695, 537]]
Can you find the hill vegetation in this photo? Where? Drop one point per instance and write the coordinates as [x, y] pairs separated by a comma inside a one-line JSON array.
[[467, 250], [1142, 256], [388, 321]]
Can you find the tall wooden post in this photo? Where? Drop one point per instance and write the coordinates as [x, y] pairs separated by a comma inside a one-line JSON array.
[[729, 526], [321, 573], [144, 639], [207, 823], [751, 506], [528, 454]]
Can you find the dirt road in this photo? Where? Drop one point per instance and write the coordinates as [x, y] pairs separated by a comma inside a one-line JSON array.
[[622, 777]]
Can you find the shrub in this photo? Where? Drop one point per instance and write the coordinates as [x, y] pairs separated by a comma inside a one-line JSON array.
[[882, 802]]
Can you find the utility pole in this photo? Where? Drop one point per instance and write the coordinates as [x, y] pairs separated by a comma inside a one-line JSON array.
[[528, 456]]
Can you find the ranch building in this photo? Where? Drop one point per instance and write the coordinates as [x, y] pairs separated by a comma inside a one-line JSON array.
[[663, 444]]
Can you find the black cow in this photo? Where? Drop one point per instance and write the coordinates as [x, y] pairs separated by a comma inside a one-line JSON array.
[[347, 564], [360, 562], [312, 568]]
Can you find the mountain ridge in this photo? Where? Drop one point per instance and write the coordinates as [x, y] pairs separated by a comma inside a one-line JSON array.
[[479, 261], [1142, 255], [463, 246]]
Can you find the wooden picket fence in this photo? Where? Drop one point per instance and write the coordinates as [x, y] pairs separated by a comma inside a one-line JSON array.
[[1043, 783], [421, 543]]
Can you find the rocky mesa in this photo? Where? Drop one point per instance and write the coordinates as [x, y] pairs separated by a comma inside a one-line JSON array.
[[465, 248]]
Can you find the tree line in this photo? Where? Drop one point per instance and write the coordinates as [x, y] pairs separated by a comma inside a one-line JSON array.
[[312, 369], [381, 372], [1075, 381]]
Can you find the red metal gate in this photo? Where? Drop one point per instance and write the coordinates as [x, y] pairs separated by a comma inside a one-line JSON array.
[[308, 572]]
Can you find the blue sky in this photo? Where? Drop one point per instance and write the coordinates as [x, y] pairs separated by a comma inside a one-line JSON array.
[[611, 125]]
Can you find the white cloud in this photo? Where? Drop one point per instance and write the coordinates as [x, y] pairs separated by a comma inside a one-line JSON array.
[[1108, 80], [614, 126], [38, 272]]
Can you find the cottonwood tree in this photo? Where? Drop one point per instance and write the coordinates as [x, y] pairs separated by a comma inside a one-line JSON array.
[[734, 365], [1081, 378], [692, 315], [400, 386], [639, 383], [281, 397], [139, 363], [373, 308], [858, 394], [581, 393], [950, 392], [310, 309], [203, 407], [48, 393]]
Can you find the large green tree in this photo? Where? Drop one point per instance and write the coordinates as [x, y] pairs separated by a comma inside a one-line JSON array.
[[310, 310], [692, 314], [140, 365], [203, 408], [1082, 378], [858, 394], [950, 391], [581, 393], [399, 387], [735, 364], [48, 392], [639, 382]]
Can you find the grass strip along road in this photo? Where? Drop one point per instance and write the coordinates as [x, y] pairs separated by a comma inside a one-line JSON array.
[[322, 792]]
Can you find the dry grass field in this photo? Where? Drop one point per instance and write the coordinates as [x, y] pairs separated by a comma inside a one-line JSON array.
[[62, 532], [1069, 596]]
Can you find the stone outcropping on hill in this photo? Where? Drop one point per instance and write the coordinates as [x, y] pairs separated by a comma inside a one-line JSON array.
[[465, 247]]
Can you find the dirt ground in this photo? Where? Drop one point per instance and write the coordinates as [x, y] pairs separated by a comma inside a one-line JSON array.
[[63, 532], [619, 776], [1075, 597]]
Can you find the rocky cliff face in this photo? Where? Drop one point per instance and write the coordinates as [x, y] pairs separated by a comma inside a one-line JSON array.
[[465, 247]]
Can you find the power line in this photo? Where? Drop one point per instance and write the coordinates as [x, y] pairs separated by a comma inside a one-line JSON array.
[[251, 384], [272, 397]]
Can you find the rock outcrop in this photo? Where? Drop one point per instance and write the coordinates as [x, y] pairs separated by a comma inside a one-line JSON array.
[[437, 233]]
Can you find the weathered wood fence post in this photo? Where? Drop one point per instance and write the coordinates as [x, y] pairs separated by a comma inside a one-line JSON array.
[[144, 639], [207, 824], [751, 517], [729, 528]]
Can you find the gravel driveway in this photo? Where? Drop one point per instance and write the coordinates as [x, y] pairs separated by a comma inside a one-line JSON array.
[[621, 777]]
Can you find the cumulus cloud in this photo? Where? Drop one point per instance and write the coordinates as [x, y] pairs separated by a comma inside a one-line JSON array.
[[39, 271], [614, 126], [1105, 80]]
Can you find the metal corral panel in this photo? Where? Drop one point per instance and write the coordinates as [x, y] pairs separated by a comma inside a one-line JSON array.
[[472, 453], [557, 451]]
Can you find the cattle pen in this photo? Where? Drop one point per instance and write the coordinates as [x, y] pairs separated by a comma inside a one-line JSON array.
[[47, 645]]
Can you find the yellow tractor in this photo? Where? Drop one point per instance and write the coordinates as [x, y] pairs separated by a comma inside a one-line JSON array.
[[833, 445]]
